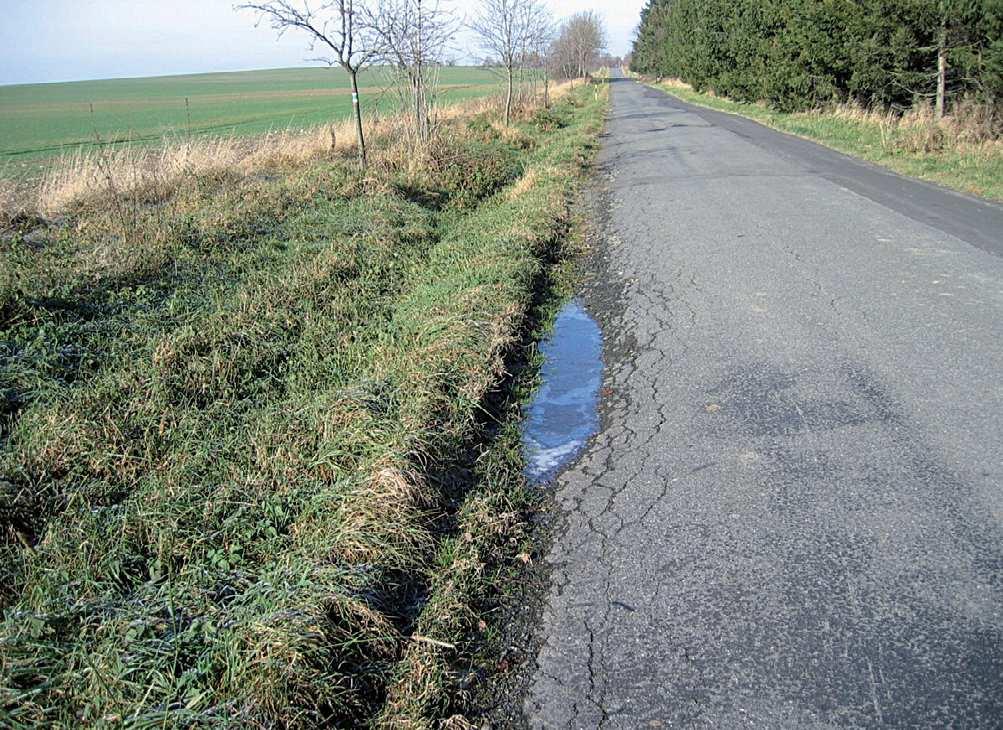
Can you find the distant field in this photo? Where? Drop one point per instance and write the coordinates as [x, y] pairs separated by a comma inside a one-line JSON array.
[[40, 120]]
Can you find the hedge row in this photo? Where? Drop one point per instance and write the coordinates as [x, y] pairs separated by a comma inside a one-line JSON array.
[[797, 55]]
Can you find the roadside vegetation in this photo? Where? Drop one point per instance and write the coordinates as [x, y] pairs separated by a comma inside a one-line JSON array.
[[950, 151], [916, 86], [255, 467]]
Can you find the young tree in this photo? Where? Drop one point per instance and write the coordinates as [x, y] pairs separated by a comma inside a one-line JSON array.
[[336, 26], [412, 36], [509, 32], [540, 61]]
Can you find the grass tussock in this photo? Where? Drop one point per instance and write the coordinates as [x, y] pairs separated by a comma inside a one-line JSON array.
[[233, 396], [962, 150]]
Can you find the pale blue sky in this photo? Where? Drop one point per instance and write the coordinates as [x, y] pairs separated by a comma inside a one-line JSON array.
[[65, 40]]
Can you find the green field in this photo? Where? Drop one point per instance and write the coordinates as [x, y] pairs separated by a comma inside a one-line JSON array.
[[39, 120]]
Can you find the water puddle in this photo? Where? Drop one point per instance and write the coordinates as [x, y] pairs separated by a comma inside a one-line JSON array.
[[564, 414]]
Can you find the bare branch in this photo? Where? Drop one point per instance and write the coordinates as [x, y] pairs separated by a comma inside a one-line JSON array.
[[333, 25], [336, 25], [412, 37], [510, 32], [576, 51]]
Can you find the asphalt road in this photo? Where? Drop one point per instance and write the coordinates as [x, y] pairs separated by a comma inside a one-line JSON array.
[[791, 516]]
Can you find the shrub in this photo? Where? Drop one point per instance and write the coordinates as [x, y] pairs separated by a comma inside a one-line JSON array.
[[483, 128], [547, 120], [476, 170]]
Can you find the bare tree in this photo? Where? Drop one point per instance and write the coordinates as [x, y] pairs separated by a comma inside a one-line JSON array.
[[560, 58], [336, 26], [413, 36], [539, 64], [577, 48], [510, 31]]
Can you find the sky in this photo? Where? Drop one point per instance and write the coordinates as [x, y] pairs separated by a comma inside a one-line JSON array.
[[69, 40]]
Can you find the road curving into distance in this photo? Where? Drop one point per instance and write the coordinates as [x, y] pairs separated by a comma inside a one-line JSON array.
[[792, 515]]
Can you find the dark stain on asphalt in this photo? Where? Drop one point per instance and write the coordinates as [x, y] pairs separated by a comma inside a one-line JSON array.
[[771, 402]]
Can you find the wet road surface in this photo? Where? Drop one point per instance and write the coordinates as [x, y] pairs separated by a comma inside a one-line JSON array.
[[563, 414], [792, 515]]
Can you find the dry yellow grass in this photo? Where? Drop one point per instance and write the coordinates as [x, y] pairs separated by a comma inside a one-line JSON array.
[[674, 83], [562, 89], [965, 130], [524, 183], [154, 172], [8, 196]]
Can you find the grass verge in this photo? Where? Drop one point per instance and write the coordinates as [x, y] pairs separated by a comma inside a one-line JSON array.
[[236, 425], [448, 670], [948, 152]]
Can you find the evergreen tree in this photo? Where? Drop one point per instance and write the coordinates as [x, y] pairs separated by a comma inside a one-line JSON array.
[[796, 55]]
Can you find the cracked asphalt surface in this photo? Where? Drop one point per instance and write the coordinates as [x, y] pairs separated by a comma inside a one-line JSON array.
[[791, 516]]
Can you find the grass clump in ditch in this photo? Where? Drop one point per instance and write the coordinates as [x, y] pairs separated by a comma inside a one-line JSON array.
[[954, 152], [232, 410]]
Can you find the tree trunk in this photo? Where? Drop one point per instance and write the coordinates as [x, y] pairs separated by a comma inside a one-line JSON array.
[[941, 69], [421, 107], [357, 112], [546, 90], [989, 123], [508, 98]]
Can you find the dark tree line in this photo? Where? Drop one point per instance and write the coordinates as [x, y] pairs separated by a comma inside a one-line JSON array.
[[797, 54]]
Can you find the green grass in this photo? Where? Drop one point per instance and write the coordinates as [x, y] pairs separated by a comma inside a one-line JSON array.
[[40, 120], [964, 168], [235, 427], [484, 554]]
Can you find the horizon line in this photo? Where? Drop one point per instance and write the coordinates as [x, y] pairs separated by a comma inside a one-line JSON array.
[[5, 84]]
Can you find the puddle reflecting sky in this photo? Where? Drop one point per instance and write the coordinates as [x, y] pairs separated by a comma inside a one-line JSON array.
[[564, 411]]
